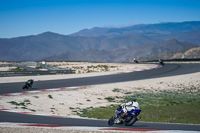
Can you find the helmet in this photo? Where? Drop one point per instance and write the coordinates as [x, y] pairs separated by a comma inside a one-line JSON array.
[[120, 107], [134, 100]]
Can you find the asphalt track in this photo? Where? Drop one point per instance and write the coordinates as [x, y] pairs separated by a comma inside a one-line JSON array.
[[167, 70]]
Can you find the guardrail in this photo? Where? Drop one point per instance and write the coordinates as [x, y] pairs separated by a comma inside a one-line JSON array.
[[34, 73]]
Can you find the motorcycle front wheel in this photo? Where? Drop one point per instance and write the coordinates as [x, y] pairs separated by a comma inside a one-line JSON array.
[[111, 120], [24, 87]]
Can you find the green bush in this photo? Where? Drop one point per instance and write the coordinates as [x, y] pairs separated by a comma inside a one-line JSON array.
[[17, 69]]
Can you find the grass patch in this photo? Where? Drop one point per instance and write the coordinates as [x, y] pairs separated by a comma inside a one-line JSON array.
[[127, 93], [99, 113], [116, 90], [50, 96], [182, 106], [39, 67], [71, 108], [22, 105], [17, 69], [171, 107], [110, 99]]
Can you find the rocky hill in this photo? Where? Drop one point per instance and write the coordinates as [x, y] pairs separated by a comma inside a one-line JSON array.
[[148, 29], [125, 54], [104, 44]]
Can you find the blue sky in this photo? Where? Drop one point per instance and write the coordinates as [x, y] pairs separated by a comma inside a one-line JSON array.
[[32, 17]]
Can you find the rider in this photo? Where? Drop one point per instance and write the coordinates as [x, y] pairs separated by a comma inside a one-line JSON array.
[[161, 62], [30, 82], [135, 61], [132, 105]]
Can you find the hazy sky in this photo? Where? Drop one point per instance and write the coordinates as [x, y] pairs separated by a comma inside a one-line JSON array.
[[31, 17]]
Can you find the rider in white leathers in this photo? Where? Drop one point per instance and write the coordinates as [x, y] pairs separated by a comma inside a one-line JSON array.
[[131, 105]]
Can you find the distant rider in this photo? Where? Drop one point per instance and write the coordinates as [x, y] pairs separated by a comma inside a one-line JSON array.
[[135, 61], [28, 84], [161, 62]]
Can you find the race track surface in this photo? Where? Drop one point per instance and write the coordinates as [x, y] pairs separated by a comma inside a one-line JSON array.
[[167, 70]]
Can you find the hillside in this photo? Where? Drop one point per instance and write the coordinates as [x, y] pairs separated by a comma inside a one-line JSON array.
[[104, 44], [160, 28], [124, 54], [193, 53]]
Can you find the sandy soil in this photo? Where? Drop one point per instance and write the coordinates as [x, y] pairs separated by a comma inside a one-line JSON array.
[[88, 67], [7, 68]]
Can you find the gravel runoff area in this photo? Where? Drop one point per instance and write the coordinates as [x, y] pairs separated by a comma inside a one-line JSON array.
[[88, 96]]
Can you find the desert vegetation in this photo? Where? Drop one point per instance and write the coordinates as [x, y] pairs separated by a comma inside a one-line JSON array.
[[171, 106]]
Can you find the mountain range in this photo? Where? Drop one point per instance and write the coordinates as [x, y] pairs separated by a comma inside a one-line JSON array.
[[144, 41]]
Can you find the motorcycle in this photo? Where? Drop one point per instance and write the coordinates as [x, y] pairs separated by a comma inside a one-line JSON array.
[[120, 117], [28, 84], [161, 62]]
